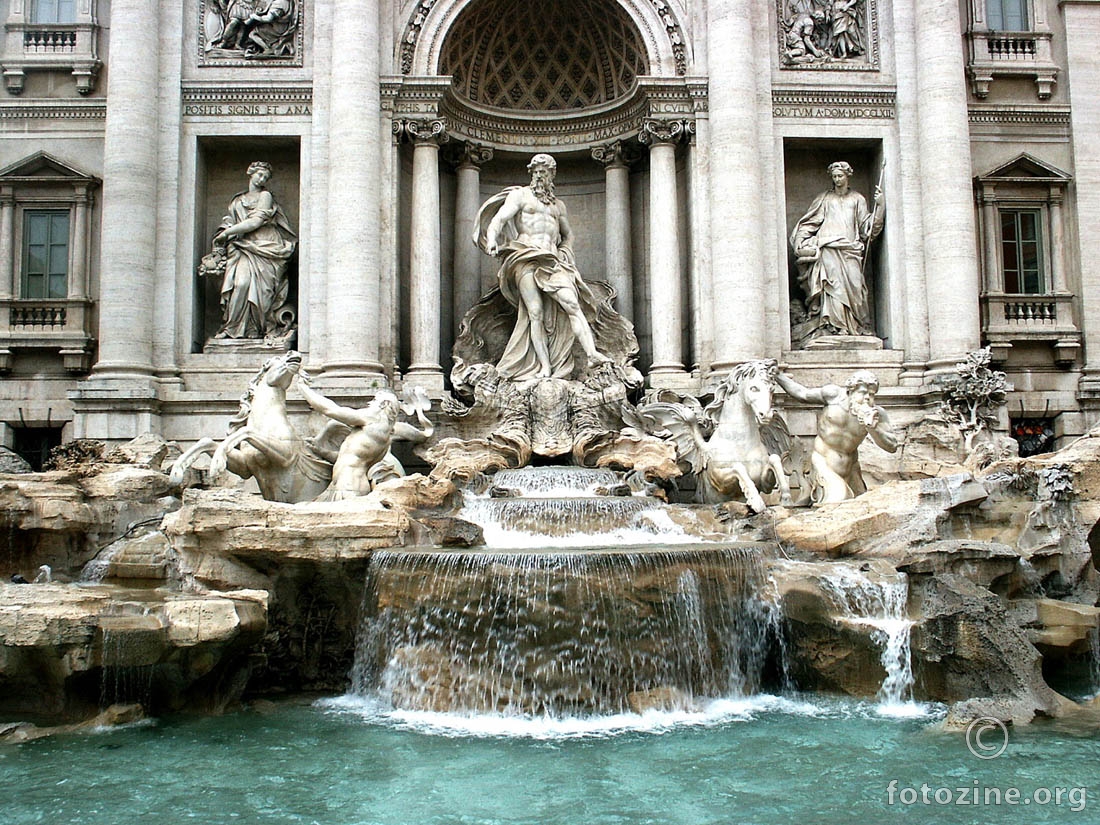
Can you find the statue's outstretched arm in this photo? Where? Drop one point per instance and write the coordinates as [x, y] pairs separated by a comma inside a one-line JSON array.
[[798, 392], [329, 408], [882, 433]]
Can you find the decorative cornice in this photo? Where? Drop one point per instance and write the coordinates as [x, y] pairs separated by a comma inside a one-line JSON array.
[[852, 104], [95, 109], [1019, 114]]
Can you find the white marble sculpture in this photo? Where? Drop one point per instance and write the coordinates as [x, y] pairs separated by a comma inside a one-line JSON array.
[[263, 444], [364, 458], [250, 254], [831, 243], [735, 444], [848, 415], [528, 227]]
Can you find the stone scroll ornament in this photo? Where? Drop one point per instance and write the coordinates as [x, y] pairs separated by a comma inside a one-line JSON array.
[[824, 34], [259, 30], [543, 363]]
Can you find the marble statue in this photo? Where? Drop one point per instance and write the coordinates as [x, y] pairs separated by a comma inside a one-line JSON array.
[[801, 45], [364, 458], [848, 415], [528, 227], [263, 444], [254, 29], [735, 444], [831, 242], [251, 251]]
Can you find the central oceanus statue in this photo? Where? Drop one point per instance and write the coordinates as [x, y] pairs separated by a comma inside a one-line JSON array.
[[735, 444], [263, 444]]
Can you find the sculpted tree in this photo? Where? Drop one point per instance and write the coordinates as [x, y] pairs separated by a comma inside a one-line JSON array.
[[972, 395]]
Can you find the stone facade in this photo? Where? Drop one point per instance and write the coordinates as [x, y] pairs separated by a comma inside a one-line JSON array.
[[690, 138]]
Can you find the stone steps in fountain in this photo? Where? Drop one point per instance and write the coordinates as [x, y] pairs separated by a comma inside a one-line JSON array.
[[558, 482], [546, 516]]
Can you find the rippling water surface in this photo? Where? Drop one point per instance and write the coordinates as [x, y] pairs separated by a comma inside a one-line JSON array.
[[782, 760]]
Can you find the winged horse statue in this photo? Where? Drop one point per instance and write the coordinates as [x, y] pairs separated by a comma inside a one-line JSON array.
[[735, 444]]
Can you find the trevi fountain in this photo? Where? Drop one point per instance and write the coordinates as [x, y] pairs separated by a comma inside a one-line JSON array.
[[555, 595]]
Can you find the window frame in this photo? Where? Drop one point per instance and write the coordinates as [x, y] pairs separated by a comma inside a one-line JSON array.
[[34, 6], [1042, 233], [26, 213]]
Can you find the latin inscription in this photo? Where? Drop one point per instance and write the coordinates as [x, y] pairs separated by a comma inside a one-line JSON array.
[[247, 110], [851, 112]]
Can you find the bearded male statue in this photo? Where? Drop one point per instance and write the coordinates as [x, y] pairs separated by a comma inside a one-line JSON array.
[[529, 230]]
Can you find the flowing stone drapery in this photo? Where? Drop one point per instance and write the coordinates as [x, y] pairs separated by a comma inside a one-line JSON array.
[[353, 321], [947, 204], [666, 293], [468, 286], [128, 234], [424, 293], [617, 224]]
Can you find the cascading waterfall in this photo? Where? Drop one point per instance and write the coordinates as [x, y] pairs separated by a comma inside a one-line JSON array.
[[561, 634], [125, 674], [882, 605]]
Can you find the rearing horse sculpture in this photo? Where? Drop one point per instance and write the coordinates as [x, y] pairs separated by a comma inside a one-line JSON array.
[[263, 444], [734, 444]]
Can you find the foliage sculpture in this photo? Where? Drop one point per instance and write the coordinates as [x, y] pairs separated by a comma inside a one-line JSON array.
[[972, 396]]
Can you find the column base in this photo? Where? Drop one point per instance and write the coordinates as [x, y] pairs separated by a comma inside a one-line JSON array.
[[666, 378], [428, 377], [115, 407]]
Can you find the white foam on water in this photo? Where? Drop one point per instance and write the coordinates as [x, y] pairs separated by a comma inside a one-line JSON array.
[[709, 713]]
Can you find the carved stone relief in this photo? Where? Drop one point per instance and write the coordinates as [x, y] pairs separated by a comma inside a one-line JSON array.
[[828, 34], [243, 32]]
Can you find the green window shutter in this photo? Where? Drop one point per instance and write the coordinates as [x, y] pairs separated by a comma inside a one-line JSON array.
[[45, 253]]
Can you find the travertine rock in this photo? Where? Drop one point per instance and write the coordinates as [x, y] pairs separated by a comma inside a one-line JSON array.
[[149, 450], [237, 524], [56, 639], [414, 492]]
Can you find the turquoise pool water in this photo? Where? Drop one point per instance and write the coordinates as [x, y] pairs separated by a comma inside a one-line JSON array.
[[765, 760]]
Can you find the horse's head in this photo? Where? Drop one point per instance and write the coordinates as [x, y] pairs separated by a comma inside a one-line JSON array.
[[754, 382], [280, 370]]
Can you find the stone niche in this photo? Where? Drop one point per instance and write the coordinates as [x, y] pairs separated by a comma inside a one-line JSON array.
[[221, 173], [805, 163], [580, 182]]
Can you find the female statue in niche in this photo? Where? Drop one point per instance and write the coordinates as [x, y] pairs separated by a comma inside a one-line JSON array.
[[830, 242], [253, 245]]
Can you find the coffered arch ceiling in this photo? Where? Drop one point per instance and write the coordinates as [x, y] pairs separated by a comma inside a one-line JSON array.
[[532, 55]]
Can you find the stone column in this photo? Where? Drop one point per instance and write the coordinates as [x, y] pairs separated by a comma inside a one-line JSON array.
[[947, 201], [994, 277], [617, 223], [353, 322], [666, 293], [1057, 243], [7, 242], [78, 277], [128, 235], [467, 264], [737, 241], [424, 268], [1082, 17]]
